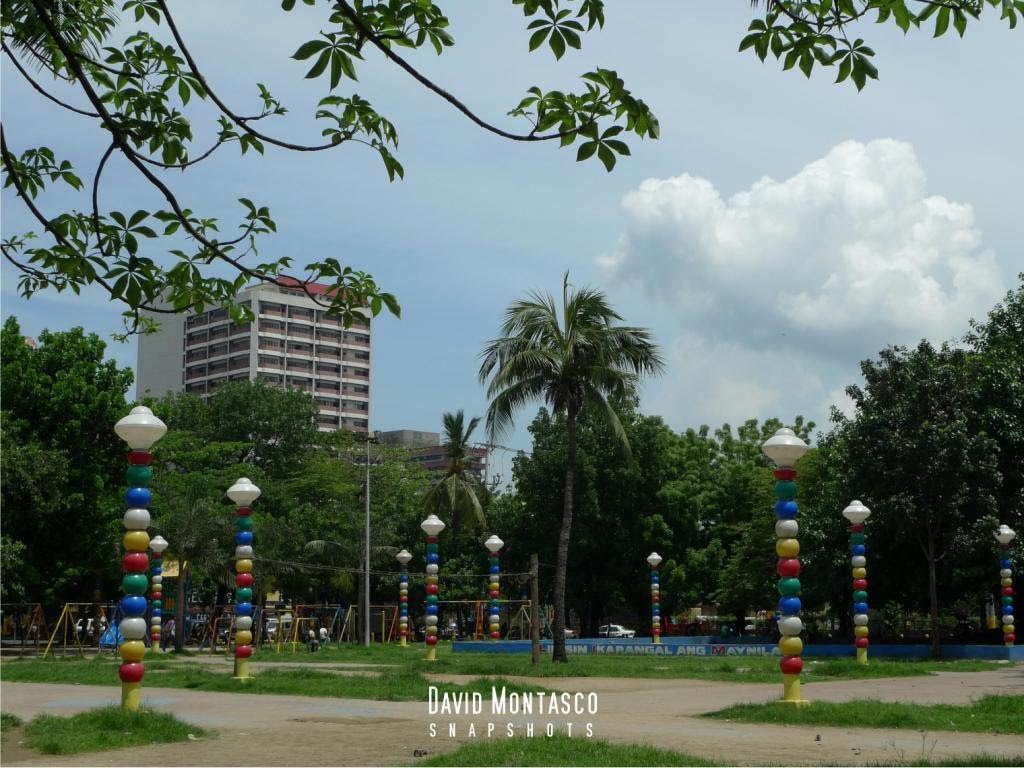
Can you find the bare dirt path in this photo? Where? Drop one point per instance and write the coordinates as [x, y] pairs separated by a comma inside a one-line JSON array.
[[298, 730]]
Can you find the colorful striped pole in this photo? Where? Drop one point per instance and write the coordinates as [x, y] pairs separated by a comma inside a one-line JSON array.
[[494, 545], [857, 513], [432, 526], [1004, 536], [243, 493], [156, 596], [784, 448], [403, 557], [654, 559], [140, 429]]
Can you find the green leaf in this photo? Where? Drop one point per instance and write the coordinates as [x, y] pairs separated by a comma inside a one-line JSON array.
[[941, 22], [586, 150], [606, 156], [538, 37], [557, 43], [806, 63], [308, 49]]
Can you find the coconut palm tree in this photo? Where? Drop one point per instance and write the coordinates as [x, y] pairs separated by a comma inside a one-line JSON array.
[[457, 495], [568, 359]]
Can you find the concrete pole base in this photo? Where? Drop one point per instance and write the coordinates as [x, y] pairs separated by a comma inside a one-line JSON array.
[[241, 669], [862, 655], [131, 696], [656, 640], [791, 691], [431, 653]]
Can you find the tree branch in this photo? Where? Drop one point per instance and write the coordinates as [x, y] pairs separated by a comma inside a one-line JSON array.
[[39, 88]]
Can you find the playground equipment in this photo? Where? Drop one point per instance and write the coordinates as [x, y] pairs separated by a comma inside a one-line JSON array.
[[74, 620], [388, 628], [25, 622]]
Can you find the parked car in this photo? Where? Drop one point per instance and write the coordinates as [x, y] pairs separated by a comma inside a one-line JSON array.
[[615, 630], [571, 634]]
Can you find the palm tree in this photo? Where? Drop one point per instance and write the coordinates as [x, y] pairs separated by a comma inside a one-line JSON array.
[[568, 359], [458, 493]]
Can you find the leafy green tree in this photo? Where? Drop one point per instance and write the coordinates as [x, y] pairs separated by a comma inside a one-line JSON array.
[[802, 33], [457, 494], [916, 454], [142, 94], [63, 466], [567, 359]]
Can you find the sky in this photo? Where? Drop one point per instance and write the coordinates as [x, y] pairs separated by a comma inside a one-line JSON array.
[[779, 232]]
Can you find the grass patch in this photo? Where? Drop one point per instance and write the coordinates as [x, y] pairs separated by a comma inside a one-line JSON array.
[[1000, 714], [107, 728], [392, 684], [8, 721], [745, 669], [974, 760], [560, 750]]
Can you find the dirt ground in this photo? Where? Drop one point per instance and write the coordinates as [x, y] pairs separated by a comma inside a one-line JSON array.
[[298, 730]]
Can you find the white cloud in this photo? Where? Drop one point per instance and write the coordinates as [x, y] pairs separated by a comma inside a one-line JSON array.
[[831, 264]]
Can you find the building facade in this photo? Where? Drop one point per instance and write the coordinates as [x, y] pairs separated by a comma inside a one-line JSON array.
[[425, 449], [291, 343]]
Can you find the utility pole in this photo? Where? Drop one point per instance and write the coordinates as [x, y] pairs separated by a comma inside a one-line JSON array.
[[366, 560], [535, 608]]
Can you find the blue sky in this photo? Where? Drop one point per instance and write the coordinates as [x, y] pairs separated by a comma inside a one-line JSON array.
[[780, 231]]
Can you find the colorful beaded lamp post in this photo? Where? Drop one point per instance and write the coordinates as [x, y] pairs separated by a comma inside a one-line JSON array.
[[432, 526], [857, 513], [403, 558], [784, 448], [654, 560], [494, 545], [243, 493], [1004, 536], [140, 429], [156, 596]]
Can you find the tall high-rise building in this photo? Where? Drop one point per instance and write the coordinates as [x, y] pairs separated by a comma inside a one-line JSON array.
[[292, 343]]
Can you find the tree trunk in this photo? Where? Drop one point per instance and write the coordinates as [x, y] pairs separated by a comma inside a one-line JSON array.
[[179, 623], [534, 609], [561, 563], [933, 600]]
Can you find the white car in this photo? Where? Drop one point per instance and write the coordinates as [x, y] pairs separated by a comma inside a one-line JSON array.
[[615, 630]]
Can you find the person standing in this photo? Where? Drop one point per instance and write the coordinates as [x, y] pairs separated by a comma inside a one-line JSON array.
[[167, 635]]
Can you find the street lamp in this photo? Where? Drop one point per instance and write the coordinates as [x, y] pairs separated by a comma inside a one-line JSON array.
[[157, 545], [857, 513], [432, 526], [403, 557], [243, 493], [1004, 536], [140, 429], [494, 545], [654, 559], [784, 448]]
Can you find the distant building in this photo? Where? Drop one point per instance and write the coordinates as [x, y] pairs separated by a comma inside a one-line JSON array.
[[292, 343], [425, 449]]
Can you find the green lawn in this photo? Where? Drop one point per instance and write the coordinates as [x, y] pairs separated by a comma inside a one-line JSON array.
[[560, 750], [108, 728], [392, 684], [999, 714], [746, 669]]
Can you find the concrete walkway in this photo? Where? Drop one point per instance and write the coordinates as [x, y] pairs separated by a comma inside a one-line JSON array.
[[298, 730]]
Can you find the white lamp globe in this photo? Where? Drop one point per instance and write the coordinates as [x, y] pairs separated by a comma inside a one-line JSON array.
[[432, 526], [140, 428], [403, 557], [1005, 534], [243, 492], [158, 544], [494, 544], [856, 513], [654, 559], [784, 448]]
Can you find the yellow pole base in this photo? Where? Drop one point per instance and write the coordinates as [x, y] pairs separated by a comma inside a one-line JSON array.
[[862, 655], [431, 653], [131, 696], [791, 691], [656, 640], [241, 669], [402, 642]]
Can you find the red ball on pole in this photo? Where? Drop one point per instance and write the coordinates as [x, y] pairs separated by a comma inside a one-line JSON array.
[[135, 562], [243, 580], [791, 665], [243, 651], [1009, 639], [1007, 591], [861, 642], [788, 567], [860, 583], [431, 589], [131, 673]]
